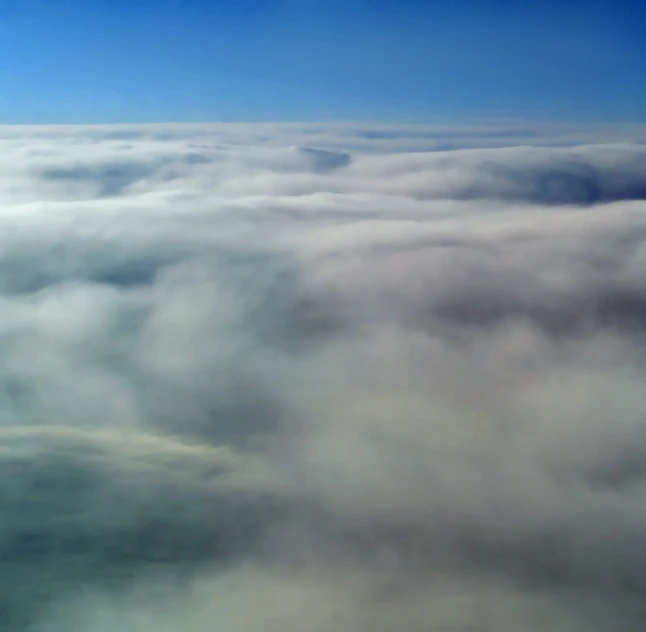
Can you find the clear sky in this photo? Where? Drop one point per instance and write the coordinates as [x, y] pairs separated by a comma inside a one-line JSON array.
[[66, 61]]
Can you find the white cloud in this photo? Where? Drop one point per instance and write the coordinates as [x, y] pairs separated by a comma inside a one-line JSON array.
[[372, 378]]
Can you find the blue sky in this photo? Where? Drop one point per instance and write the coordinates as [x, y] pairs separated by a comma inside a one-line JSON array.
[[69, 61]]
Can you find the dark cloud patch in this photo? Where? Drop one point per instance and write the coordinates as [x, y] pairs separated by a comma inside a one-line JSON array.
[[94, 508], [615, 309], [110, 180], [25, 271], [323, 160], [577, 183], [535, 175]]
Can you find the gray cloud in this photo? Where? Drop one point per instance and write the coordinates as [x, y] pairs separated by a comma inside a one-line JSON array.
[[296, 377]]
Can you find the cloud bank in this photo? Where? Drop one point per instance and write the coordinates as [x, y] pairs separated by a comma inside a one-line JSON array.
[[289, 377]]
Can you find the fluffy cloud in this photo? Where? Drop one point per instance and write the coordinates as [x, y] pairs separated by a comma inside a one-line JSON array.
[[322, 377]]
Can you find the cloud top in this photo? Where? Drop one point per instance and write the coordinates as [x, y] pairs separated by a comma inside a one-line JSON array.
[[361, 377]]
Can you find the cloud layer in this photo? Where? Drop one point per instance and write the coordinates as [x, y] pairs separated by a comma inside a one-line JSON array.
[[322, 377]]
